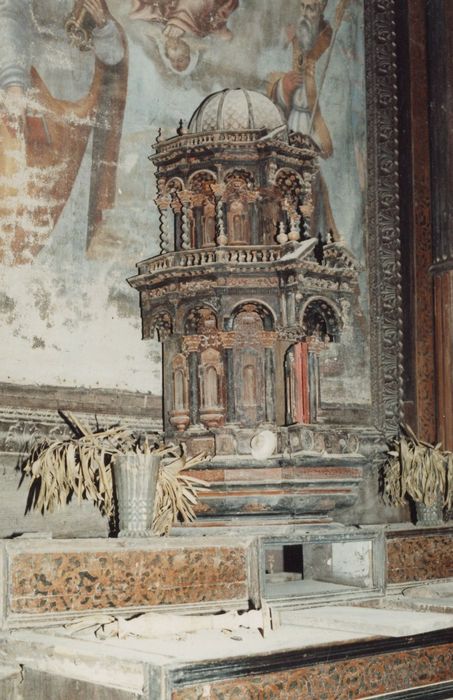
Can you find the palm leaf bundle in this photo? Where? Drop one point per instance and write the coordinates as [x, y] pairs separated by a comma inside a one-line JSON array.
[[417, 469], [81, 466]]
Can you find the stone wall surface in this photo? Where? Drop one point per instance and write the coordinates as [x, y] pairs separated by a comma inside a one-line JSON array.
[[45, 686], [79, 210]]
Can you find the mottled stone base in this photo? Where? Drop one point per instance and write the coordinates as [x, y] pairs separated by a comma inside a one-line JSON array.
[[45, 577], [343, 680], [56, 666], [419, 555]]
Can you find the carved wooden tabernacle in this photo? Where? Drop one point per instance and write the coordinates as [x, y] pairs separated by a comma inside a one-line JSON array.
[[260, 319]]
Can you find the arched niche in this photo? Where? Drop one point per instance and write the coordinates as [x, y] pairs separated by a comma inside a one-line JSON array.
[[201, 186], [253, 386], [180, 393], [251, 316], [297, 384], [201, 320], [320, 322], [249, 384], [202, 181], [211, 376], [174, 185], [212, 389], [162, 325], [320, 319], [291, 194], [271, 215], [290, 184], [173, 189], [238, 186], [179, 414], [238, 178]]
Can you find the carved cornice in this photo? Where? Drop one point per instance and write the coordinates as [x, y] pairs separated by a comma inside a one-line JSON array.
[[19, 427]]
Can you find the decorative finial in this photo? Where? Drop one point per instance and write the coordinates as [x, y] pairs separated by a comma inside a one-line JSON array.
[[181, 130], [294, 233], [282, 235]]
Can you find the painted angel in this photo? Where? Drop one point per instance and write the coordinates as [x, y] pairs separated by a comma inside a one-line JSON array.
[[182, 18]]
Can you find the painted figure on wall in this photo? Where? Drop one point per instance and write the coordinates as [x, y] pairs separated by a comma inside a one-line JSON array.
[[185, 18], [298, 93], [57, 91]]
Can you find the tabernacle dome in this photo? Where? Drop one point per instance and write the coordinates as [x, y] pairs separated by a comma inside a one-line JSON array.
[[236, 110]]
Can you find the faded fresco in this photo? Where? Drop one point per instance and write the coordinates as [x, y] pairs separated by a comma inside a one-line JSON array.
[[85, 88]]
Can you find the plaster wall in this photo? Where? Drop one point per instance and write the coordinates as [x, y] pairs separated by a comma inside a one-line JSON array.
[[67, 316]]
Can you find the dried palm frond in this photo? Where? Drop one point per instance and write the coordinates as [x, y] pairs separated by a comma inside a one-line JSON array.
[[417, 469], [81, 466], [177, 494]]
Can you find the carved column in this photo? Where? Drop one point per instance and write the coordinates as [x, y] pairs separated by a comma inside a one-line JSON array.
[[222, 238], [197, 212], [163, 204], [440, 65], [177, 228], [186, 241]]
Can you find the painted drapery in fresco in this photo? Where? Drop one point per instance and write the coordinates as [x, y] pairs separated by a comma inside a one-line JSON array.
[[326, 71], [55, 97]]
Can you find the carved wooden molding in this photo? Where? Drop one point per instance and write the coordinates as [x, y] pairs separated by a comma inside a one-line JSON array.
[[19, 427], [383, 217]]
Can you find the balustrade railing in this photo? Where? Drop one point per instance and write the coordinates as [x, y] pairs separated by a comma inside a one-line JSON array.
[[198, 258], [209, 138]]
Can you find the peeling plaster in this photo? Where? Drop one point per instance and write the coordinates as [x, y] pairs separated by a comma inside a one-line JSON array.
[[7, 308]]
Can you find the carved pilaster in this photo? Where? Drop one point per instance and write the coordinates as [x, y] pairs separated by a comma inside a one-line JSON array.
[[383, 216], [440, 38], [440, 41], [416, 229], [269, 374], [194, 398], [229, 383]]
